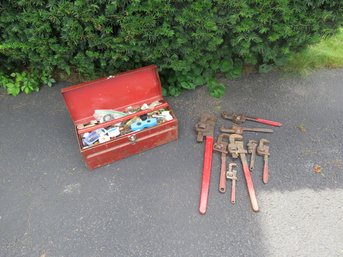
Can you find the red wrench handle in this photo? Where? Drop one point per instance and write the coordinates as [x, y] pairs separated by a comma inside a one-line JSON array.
[[233, 191], [268, 122], [206, 175], [249, 183], [265, 170], [222, 179]]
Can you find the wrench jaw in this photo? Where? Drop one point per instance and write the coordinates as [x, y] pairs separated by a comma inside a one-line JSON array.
[[234, 144], [205, 127], [236, 118], [252, 145]]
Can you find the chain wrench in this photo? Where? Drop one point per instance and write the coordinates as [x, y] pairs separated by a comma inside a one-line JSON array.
[[252, 145], [263, 150], [232, 174], [205, 128], [240, 118]]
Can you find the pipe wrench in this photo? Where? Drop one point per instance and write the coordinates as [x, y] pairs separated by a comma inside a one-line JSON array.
[[221, 146], [236, 149], [205, 128]]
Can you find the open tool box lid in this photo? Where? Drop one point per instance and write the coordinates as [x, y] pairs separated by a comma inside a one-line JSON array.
[[114, 92]]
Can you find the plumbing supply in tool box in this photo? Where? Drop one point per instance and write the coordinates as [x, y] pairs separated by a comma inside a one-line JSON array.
[[121, 115]]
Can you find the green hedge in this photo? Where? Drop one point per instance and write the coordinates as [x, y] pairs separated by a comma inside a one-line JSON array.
[[190, 41]]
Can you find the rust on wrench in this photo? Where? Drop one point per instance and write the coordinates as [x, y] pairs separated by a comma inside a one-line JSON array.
[[239, 130], [232, 174], [236, 149], [263, 150], [252, 145], [221, 146], [236, 118], [205, 127]]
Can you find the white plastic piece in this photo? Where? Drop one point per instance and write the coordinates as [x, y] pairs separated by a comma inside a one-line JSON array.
[[85, 135], [145, 107], [104, 138], [167, 115], [113, 132]]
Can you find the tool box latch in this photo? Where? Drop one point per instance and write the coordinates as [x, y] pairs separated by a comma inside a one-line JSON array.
[[132, 139]]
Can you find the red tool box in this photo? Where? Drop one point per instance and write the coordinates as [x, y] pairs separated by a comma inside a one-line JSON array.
[[119, 92]]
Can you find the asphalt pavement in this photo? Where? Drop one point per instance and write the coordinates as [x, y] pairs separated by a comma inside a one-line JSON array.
[[147, 205]]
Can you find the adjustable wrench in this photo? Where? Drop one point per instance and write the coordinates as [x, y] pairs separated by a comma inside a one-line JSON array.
[[232, 174], [263, 150], [236, 148], [221, 146], [205, 128], [240, 118], [239, 130], [252, 145]]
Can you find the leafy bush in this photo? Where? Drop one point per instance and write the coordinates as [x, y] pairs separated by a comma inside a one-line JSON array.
[[190, 41]]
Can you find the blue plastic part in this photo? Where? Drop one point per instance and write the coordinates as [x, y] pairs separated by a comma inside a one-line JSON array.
[[140, 125], [151, 122], [91, 138]]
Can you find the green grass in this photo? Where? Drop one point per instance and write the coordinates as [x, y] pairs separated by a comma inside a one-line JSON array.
[[328, 53]]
